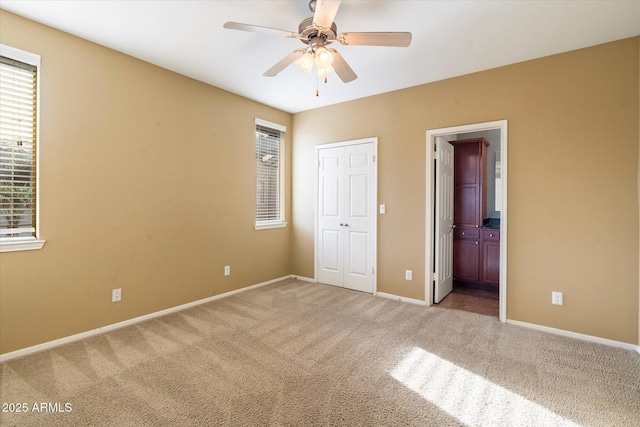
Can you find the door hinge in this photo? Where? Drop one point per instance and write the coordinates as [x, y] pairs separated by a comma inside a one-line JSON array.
[[435, 277], [374, 158], [373, 270]]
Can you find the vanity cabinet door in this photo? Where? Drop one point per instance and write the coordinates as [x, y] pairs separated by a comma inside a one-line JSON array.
[[466, 260], [491, 256]]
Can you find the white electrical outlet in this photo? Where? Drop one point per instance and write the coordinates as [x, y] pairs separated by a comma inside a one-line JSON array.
[[556, 298], [408, 275], [227, 270], [116, 295]]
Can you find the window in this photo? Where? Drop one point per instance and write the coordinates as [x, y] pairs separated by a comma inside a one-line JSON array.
[[18, 150], [269, 175]]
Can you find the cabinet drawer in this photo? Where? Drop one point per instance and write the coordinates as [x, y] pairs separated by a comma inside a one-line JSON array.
[[491, 235], [467, 233]]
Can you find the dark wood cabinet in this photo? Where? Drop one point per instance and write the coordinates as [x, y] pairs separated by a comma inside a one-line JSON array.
[[466, 260], [490, 272], [470, 182], [476, 251]]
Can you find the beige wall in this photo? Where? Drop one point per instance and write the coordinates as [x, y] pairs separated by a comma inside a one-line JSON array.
[[147, 184], [573, 181]]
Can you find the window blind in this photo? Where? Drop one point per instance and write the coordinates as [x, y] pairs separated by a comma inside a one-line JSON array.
[[18, 83], [269, 174]]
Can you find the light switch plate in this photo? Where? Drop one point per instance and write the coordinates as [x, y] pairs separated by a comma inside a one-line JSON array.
[[383, 209]]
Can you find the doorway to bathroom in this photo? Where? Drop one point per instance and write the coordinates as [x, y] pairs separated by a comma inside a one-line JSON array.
[[467, 253]]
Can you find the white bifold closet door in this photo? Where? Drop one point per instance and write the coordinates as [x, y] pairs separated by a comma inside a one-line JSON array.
[[346, 227]]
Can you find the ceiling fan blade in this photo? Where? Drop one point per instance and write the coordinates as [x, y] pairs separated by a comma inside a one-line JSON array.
[[325, 13], [397, 39], [261, 30], [342, 69], [284, 63]]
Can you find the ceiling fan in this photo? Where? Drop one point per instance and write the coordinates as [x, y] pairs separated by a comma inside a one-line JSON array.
[[319, 31]]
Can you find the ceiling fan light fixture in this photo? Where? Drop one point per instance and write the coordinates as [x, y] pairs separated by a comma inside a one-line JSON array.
[[305, 62], [325, 71], [324, 58]]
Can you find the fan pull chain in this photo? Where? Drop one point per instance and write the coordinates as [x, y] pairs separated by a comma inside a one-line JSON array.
[[324, 70]]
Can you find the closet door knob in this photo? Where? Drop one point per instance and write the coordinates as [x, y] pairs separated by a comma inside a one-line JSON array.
[[341, 225]]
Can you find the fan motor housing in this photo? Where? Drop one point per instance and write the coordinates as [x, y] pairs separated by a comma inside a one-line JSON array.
[[308, 32]]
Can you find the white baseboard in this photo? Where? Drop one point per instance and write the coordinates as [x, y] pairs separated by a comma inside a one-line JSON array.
[[55, 343], [399, 298], [304, 279], [576, 335], [555, 331]]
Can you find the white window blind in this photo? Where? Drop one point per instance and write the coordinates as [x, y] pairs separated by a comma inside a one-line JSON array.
[[18, 85], [269, 174]]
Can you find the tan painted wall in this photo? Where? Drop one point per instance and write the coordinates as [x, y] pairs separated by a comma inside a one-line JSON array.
[[573, 181], [147, 184]]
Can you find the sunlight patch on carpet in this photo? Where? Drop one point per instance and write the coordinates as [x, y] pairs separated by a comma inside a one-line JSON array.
[[469, 397]]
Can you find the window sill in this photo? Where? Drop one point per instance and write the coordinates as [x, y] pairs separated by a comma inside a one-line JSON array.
[[269, 225], [14, 245]]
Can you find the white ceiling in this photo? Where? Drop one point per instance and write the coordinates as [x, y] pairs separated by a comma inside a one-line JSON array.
[[450, 38]]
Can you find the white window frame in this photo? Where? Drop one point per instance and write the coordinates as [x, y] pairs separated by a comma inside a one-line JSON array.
[[12, 244], [279, 223]]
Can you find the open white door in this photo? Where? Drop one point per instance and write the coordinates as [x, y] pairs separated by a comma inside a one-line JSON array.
[[443, 278]]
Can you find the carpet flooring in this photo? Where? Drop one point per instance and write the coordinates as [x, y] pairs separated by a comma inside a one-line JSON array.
[[304, 354]]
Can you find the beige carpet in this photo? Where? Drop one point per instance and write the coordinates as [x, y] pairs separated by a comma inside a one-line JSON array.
[[297, 353]]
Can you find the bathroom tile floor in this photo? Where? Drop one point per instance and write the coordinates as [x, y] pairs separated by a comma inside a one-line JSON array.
[[483, 301]]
